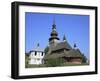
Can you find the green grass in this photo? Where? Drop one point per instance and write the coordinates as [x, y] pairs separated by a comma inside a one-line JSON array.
[[45, 65], [72, 64], [35, 66], [51, 63]]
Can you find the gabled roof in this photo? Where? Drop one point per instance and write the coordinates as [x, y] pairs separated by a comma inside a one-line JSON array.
[[74, 53], [61, 45], [70, 53]]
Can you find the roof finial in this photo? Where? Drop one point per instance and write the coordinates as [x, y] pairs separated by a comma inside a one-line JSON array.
[[75, 45], [54, 25], [38, 44], [54, 20], [64, 38]]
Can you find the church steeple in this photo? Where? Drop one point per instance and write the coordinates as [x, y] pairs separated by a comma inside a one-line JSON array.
[[54, 35]]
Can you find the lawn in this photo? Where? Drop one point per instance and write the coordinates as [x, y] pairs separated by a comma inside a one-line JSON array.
[[52, 63]]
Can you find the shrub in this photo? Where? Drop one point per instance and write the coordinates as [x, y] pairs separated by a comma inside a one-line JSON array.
[[84, 59], [46, 50], [54, 62]]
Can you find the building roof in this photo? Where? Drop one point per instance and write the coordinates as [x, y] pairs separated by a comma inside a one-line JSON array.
[[61, 45], [70, 53], [37, 49], [74, 53], [54, 33]]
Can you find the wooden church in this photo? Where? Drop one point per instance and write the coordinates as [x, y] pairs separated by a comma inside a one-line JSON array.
[[62, 49]]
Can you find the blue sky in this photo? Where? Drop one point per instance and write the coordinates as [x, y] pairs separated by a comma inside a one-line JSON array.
[[38, 27]]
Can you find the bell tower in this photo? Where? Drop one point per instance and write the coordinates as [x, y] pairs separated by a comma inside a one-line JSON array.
[[53, 40]]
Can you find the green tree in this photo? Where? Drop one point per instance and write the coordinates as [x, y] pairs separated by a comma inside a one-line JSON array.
[[46, 50], [84, 59], [54, 62], [26, 60]]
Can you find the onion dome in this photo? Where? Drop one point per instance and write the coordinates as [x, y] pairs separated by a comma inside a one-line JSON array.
[[54, 33]]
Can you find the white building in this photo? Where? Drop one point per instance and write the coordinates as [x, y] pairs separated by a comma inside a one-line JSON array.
[[36, 56]]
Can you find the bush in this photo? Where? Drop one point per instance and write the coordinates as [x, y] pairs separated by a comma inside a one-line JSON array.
[[46, 50], [54, 62], [84, 59], [26, 61]]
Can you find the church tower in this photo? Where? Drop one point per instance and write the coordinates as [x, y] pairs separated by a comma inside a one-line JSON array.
[[53, 40]]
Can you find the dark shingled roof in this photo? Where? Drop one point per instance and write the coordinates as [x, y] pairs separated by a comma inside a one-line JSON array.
[[74, 53], [61, 45], [70, 53]]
